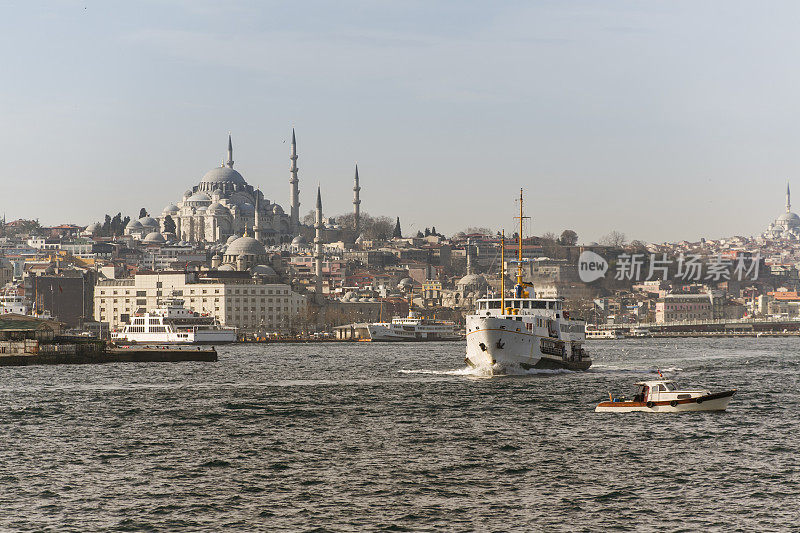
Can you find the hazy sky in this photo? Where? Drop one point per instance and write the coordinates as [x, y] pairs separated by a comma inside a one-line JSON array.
[[663, 120]]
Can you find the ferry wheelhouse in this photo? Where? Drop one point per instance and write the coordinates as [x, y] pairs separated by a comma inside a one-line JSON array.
[[521, 330], [172, 323]]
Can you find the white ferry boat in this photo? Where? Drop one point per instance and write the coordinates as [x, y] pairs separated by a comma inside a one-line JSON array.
[[522, 330], [603, 334], [172, 323], [413, 328]]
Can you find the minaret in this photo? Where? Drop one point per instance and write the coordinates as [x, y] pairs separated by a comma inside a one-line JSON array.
[[468, 249], [318, 248], [256, 224], [356, 203], [788, 198], [294, 192], [229, 162]]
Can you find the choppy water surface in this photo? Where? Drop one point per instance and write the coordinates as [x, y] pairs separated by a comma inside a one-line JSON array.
[[399, 437]]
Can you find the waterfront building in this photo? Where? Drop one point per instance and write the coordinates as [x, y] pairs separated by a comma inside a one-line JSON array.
[[681, 307], [234, 298]]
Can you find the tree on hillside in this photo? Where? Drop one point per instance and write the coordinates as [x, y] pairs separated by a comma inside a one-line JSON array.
[[143, 213], [347, 221], [107, 226], [638, 246], [169, 224], [372, 228], [550, 245], [568, 238], [615, 239], [472, 230], [116, 225], [397, 233]]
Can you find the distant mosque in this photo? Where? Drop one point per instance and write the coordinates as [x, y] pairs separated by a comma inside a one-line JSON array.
[[786, 226], [224, 205]]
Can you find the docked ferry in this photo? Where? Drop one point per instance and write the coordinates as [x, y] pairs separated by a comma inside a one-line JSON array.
[[603, 334], [172, 323], [520, 330], [413, 328]]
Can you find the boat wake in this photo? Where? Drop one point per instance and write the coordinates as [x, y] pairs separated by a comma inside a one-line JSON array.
[[611, 369], [466, 371], [496, 371]]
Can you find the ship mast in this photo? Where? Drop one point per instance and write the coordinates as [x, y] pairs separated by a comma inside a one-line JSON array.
[[520, 284], [503, 273]]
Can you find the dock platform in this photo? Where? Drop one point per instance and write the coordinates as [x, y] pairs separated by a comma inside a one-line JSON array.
[[137, 354]]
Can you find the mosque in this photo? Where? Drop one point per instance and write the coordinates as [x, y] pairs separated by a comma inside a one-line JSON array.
[[786, 226], [237, 223], [223, 205]]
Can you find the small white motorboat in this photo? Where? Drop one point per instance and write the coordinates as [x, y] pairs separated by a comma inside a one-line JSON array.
[[663, 396]]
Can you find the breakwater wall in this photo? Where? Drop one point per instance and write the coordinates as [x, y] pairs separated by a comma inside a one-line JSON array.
[[113, 355]]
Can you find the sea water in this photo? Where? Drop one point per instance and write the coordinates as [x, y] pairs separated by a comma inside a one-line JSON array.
[[401, 437]]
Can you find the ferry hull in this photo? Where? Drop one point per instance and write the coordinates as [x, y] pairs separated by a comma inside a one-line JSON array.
[[172, 338], [710, 402], [497, 343]]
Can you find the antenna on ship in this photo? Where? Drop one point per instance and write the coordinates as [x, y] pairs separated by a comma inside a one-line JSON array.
[[519, 288]]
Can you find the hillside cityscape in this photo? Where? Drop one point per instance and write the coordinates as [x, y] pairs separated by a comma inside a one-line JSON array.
[[232, 254]]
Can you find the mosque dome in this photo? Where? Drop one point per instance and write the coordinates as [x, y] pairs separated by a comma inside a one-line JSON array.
[[218, 209], [226, 267], [472, 280], [199, 198], [247, 207], [148, 222], [789, 219], [299, 241], [154, 237], [277, 210], [171, 209], [231, 239], [134, 226], [246, 246], [93, 228], [263, 270], [406, 282], [222, 175]]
